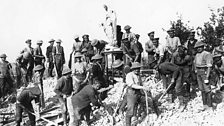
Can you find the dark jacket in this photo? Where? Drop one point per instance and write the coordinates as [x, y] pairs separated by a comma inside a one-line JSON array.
[[84, 97], [64, 86]]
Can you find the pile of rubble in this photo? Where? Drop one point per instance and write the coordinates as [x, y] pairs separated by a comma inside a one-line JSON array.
[[169, 114]]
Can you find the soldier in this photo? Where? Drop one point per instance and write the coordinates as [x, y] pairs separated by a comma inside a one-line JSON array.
[[99, 45], [169, 70], [50, 57], [98, 73], [38, 80], [24, 103], [77, 45], [64, 89], [159, 53], [134, 83], [149, 48], [128, 34], [87, 44], [140, 48], [58, 57], [30, 64], [22, 62], [6, 80], [203, 63], [39, 58], [81, 103], [183, 60], [130, 51], [172, 42], [80, 73], [191, 51]]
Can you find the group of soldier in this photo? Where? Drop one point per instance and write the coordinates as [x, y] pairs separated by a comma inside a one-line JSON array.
[[183, 67]]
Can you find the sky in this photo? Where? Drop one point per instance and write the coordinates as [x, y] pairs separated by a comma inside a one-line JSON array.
[[62, 19]]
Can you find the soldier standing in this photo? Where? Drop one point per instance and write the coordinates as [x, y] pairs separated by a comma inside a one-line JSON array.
[[38, 80], [149, 48], [77, 45], [30, 64], [140, 48], [128, 34], [6, 80], [134, 83], [58, 57], [130, 51], [50, 57], [80, 72], [203, 63], [87, 44], [22, 62], [39, 58], [172, 42]]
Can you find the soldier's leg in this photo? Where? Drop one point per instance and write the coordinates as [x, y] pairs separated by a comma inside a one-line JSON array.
[[19, 111], [63, 109], [123, 104], [31, 117], [50, 69], [131, 101], [70, 111]]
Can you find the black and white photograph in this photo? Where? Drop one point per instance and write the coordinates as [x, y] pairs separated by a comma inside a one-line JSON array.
[[111, 62]]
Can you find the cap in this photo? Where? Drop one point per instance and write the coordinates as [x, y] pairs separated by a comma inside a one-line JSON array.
[[85, 36], [97, 56], [39, 42], [117, 63], [170, 30], [84, 50], [137, 35], [76, 36], [136, 65], [78, 54], [127, 27], [156, 39], [94, 42], [51, 40], [199, 44], [58, 41], [66, 71], [38, 67], [28, 41], [152, 32], [3, 56]]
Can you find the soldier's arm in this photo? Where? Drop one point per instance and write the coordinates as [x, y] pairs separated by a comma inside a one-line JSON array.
[[209, 63], [63, 55]]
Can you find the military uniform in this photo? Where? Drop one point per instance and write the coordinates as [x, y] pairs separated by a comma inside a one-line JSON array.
[[59, 59], [50, 60], [24, 104], [6, 81], [203, 62], [167, 69], [132, 50], [183, 61], [23, 62], [81, 104], [30, 64], [79, 72], [64, 88]]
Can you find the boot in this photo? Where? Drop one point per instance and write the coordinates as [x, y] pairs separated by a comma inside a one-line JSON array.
[[204, 100], [209, 99], [181, 106], [128, 120]]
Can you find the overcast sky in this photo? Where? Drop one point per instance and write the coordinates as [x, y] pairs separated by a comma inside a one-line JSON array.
[[46, 19]]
